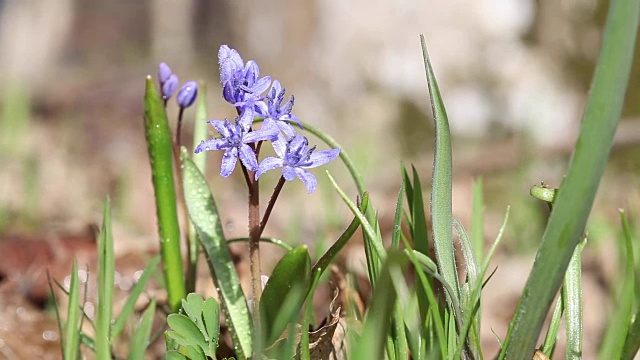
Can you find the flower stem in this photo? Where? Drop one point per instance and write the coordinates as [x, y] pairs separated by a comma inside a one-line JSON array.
[[272, 202], [254, 241], [179, 128]]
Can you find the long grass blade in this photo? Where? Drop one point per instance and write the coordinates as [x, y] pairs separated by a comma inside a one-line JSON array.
[[106, 272], [140, 338], [72, 338], [571, 209], [376, 323], [475, 293], [160, 147], [334, 250], [200, 159], [620, 321], [378, 253], [129, 305], [441, 217], [572, 298], [554, 326]]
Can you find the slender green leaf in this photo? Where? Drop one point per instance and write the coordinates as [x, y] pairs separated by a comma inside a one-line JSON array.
[[200, 159], [334, 250], [572, 298], [106, 272], [200, 126], [72, 343], [575, 197], [433, 306], [620, 321], [140, 338], [373, 241], [130, 304], [475, 293], [441, 218], [554, 326], [204, 215], [57, 311], [420, 234], [376, 323], [408, 186], [473, 278], [160, 146], [632, 343], [290, 279], [397, 219]]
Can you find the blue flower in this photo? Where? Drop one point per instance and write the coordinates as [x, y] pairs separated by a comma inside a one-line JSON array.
[[295, 157], [234, 140], [187, 94], [169, 86], [275, 113], [164, 71], [242, 85]]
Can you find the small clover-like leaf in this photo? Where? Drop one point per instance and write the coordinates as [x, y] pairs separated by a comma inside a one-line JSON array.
[[211, 317], [185, 332]]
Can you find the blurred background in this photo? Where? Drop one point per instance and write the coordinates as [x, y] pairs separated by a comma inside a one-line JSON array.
[[514, 75]]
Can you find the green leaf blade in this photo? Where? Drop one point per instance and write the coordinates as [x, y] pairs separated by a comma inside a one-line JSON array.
[[441, 207], [204, 215], [159, 144], [106, 272], [290, 279], [575, 198]]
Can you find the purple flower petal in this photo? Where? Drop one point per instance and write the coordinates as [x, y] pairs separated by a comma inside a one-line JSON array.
[[280, 146], [221, 126], [286, 128], [227, 92], [229, 160], [211, 144], [307, 178], [264, 134], [322, 157], [251, 70], [246, 119], [288, 173], [267, 164], [261, 85], [248, 157]]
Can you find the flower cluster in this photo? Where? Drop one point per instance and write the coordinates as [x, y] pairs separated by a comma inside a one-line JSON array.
[[243, 88], [168, 84]]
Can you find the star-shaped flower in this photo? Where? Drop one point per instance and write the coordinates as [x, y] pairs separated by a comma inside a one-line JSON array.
[[242, 85], [275, 113], [234, 140], [295, 157]]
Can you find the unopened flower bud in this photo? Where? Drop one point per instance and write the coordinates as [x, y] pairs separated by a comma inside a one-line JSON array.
[[187, 94], [169, 86], [164, 72]]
